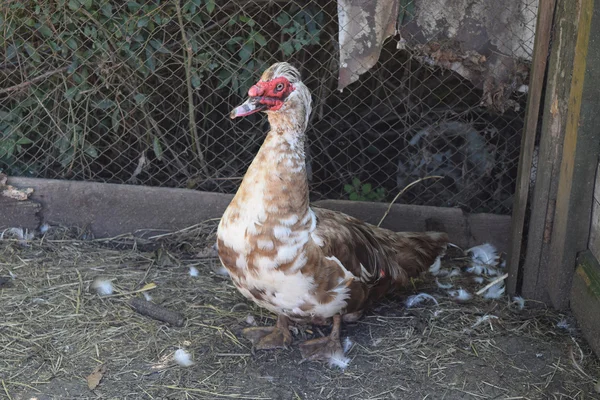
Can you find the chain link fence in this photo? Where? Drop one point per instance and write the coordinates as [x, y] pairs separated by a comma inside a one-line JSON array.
[[139, 92]]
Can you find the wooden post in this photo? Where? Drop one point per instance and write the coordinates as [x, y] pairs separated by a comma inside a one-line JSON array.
[[536, 83], [569, 145], [581, 146]]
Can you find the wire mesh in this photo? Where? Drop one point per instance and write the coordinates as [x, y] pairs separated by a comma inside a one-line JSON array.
[[139, 92]]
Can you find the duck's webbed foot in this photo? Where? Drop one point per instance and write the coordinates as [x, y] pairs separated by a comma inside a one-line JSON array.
[[325, 348], [270, 337]]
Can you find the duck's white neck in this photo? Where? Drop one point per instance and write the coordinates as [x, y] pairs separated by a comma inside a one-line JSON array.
[[277, 176]]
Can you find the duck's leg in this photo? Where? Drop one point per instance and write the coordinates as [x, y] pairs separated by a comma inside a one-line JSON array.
[[324, 348], [270, 337]]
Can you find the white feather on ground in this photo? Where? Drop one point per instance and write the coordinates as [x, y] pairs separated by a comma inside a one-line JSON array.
[[519, 301], [485, 253], [44, 228], [455, 272], [347, 344], [495, 292], [250, 320], [193, 272], [17, 232], [484, 259], [417, 299], [103, 287], [482, 269], [442, 272], [482, 319], [478, 279], [147, 296], [183, 358], [339, 360], [460, 294], [442, 285], [434, 269], [22, 235], [563, 324]]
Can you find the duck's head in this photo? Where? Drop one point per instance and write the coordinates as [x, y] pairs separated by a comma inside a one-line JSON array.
[[280, 93]]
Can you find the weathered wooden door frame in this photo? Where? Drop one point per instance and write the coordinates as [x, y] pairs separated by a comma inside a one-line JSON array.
[[557, 214]]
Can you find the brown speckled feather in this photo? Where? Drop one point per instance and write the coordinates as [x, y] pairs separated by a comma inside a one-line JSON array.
[[381, 258]]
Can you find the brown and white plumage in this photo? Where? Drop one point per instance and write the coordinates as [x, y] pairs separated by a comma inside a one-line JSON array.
[[306, 263]]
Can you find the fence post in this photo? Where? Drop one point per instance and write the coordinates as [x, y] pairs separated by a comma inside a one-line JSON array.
[[536, 85], [569, 144]]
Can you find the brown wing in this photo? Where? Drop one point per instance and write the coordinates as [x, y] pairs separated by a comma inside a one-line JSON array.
[[373, 253]]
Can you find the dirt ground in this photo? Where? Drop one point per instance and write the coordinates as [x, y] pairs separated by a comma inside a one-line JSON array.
[[55, 330]]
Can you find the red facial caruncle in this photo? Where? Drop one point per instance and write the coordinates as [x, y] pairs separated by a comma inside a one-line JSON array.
[[272, 93], [269, 95]]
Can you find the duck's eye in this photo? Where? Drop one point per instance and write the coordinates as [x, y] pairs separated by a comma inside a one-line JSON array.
[[279, 87]]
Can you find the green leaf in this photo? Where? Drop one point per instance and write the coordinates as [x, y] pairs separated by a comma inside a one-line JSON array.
[[196, 81], [44, 30], [74, 5], [7, 148], [139, 98], [66, 157], [73, 65], [283, 19], [159, 47], [11, 52], [366, 188], [91, 151], [24, 140], [142, 22], [86, 3], [225, 77], [287, 48], [133, 6], [71, 92], [158, 151], [77, 78], [247, 20], [150, 60], [72, 43], [104, 104], [246, 52], [348, 188], [193, 41], [115, 119], [210, 6], [32, 52], [260, 39], [356, 182], [353, 196], [107, 10]]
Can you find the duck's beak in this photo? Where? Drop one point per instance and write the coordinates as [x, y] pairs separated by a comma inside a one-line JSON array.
[[250, 106]]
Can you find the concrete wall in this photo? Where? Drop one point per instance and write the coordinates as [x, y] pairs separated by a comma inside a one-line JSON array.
[[110, 209]]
